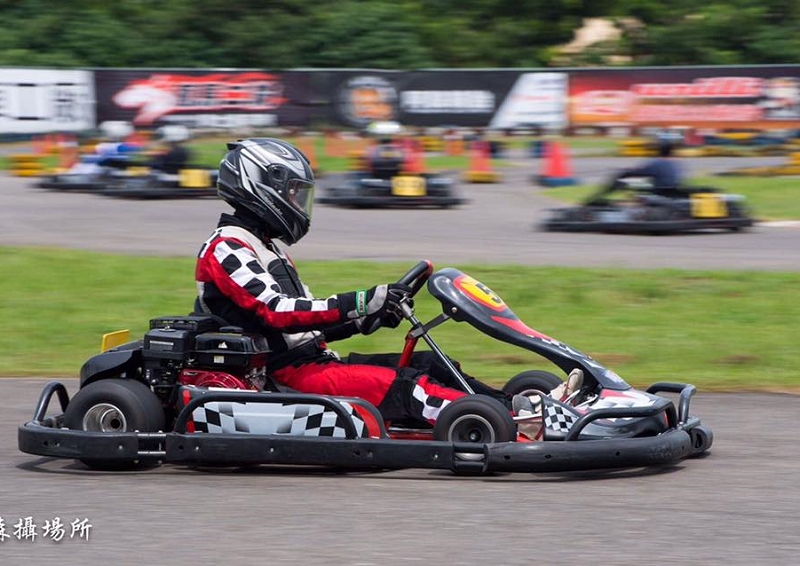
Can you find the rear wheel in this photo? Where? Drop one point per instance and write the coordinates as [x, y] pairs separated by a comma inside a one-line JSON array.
[[114, 406], [543, 381]]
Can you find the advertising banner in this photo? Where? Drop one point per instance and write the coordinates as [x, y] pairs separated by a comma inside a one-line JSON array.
[[34, 101], [445, 98], [354, 98], [202, 98], [713, 97], [453, 97], [536, 99]]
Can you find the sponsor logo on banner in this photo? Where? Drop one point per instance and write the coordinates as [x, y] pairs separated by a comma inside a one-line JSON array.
[[781, 98], [718, 101], [188, 98], [536, 99], [366, 99], [45, 100], [604, 102], [447, 101]]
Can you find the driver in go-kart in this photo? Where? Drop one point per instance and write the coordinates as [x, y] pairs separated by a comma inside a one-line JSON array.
[[175, 156], [663, 171], [386, 157], [245, 278]]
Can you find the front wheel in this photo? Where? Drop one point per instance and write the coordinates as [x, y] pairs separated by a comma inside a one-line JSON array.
[[540, 380], [702, 439], [113, 406], [475, 418]]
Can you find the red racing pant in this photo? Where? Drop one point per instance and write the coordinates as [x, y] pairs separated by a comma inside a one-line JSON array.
[[417, 393]]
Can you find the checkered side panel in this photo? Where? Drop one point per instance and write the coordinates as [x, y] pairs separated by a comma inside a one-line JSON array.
[[361, 426], [558, 417], [274, 418], [623, 399]]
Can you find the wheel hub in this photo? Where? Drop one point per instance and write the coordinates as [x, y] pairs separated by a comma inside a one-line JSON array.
[[104, 417], [471, 428]]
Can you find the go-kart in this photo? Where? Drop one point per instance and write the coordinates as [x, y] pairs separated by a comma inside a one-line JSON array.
[[95, 171], [385, 181], [87, 178], [634, 206], [196, 393], [155, 184]]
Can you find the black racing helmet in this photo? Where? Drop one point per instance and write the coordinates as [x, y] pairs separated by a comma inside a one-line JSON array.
[[665, 147], [271, 179]]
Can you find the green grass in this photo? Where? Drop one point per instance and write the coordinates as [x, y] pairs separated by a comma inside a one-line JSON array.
[[718, 330], [601, 144], [208, 153], [769, 198]]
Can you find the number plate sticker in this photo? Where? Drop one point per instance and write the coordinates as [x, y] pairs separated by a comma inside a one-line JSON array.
[[408, 186], [194, 178], [479, 292], [138, 171], [708, 205]]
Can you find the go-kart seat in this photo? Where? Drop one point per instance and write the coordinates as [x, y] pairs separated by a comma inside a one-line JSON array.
[[172, 161], [386, 163], [670, 192]]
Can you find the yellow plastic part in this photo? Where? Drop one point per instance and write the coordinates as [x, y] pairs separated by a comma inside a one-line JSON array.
[[114, 339]]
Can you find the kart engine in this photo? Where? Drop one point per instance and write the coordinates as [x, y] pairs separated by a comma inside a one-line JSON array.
[[191, 350]]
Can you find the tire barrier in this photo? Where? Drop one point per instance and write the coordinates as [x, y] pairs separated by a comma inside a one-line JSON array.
[[26, 164]]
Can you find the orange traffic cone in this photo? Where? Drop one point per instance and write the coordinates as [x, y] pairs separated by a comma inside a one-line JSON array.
[[480, 168], [45, 145], [68, 151], [414, 162], [557, 171], [335, 146], [38, 146], [453, 146]]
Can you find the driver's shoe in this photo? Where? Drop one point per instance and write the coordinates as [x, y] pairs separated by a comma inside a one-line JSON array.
[[573, 383], [530, 408], [526, 404]]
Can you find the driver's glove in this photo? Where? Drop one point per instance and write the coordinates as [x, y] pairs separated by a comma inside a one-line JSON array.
[[389, 319], [379, 301]]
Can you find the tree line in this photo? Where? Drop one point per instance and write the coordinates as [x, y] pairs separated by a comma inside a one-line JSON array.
[[392, 34]]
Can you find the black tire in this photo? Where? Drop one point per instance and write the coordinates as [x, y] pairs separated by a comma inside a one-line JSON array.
[[702, 439], [114, 405], [475, 418], [534, 379]]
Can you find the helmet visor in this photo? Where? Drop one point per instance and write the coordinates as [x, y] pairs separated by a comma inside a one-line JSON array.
[[300, 194]]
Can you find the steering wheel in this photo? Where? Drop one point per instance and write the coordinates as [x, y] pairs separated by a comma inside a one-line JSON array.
[[415, 278]]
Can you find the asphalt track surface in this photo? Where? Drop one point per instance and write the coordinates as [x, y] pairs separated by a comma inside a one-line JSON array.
[[738, 505], [499, 225]]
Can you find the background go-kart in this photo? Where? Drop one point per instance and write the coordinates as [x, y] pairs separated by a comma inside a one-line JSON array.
[[737, 506]]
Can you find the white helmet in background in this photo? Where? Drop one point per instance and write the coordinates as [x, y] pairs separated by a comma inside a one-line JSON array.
[[116, 130]]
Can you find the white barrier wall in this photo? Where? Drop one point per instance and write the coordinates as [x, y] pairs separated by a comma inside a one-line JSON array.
[[34, 101]]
